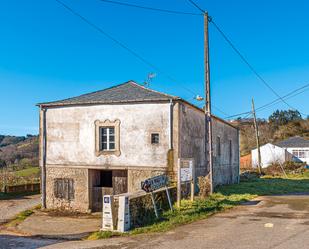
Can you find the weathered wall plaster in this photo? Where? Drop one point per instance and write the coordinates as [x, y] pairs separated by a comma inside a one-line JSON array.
[[71, 135]]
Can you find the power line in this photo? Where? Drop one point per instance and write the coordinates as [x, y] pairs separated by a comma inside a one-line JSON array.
[[249, 65], [198, 7], [219, 110], [201, 105], [274, 102], [288, 97], [285, 97], [151, 8], [121, 44]]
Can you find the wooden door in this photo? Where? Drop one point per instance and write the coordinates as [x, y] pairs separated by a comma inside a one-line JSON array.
[[120, 181]]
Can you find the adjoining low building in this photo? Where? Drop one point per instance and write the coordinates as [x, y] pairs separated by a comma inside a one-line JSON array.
[[293, 149], [110, 140]]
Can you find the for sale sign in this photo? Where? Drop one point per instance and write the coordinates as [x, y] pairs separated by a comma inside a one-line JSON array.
[[154, 183]]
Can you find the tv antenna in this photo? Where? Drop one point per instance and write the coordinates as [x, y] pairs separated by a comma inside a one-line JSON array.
[[149, 79]]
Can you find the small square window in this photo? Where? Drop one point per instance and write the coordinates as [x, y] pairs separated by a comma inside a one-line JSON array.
[[155, 138]]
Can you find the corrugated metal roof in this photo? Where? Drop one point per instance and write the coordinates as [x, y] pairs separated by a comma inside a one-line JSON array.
[[127, 92], [294, 142]]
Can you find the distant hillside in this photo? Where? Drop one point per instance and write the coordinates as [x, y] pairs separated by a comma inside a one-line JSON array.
[[19, 151], [270, 131]]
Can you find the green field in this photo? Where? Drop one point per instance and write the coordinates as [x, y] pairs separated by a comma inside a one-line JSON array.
[[32, 171]]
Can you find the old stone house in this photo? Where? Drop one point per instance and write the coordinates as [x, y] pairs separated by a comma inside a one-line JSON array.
[[110, 140]]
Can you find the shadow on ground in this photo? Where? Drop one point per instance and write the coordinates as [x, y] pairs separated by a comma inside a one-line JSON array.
[[21, 242]]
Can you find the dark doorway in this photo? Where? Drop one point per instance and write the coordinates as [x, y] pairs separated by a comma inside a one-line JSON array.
[[106, 179], [106, 182]]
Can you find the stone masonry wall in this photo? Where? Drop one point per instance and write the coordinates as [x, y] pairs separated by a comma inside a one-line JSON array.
[[141, 207], [135, 177], [225, 165], [80, 202]]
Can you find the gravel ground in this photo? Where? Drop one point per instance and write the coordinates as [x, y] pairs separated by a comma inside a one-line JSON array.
[[276, 222], [17, 242], [10, 208]]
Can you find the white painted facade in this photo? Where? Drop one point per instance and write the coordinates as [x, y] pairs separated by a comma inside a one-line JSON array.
[[271, 153], [71, 135]]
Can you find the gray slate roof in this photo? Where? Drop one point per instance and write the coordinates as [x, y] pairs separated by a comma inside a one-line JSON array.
[[127, 92], [294, 142]]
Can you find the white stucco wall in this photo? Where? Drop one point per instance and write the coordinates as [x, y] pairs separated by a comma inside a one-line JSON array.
[[269, 154], [71, 135]]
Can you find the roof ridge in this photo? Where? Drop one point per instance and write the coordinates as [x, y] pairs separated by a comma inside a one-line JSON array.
[[85, 94], [152, 90], [130, 83]]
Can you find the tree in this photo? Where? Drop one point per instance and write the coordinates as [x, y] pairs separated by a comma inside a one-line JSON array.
[[283, 117]]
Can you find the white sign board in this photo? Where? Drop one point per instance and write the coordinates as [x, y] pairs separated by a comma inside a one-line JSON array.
[[186, 172], [154, 183], [123, 214], [107, 222]]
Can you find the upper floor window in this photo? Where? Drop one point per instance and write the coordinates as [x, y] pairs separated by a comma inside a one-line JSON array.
[[155, 138], [107, 142], [107, 136]]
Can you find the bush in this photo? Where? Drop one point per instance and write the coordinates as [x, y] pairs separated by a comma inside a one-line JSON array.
[[204, 186], [289, 168], [249, 175]]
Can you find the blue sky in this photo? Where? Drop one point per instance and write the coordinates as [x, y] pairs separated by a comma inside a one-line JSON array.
[[46, 53]]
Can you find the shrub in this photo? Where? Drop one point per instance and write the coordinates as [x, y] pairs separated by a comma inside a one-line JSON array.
[[289, 168]]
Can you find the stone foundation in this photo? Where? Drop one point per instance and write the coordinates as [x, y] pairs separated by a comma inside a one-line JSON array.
[[135, 177], [80, 202]]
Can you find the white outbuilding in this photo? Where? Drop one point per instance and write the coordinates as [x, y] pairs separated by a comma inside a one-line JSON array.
[[293, 149]]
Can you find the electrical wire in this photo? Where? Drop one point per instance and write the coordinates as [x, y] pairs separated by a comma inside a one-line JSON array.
[[243, 58], [150, 8], [250, 66], [197, 6], [121, 44], [274, 102]]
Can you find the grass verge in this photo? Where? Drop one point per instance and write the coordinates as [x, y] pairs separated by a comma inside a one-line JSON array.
[[19, 218], [22, 216], [225, 197]]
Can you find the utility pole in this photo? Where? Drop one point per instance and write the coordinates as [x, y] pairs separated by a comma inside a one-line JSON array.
[[208, 123], [256, 127]]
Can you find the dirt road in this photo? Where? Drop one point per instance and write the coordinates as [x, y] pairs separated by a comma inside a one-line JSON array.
[[278, 222], [10, 208]]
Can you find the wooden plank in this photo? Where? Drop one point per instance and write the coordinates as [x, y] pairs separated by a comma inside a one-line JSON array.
[[120, 181]]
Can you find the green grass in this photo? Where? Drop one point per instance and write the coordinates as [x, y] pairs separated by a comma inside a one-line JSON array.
[[269, 186], [225, 197], [27, 172], [20, 218], [189, 212]]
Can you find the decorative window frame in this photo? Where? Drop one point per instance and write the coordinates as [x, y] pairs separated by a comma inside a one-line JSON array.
[[107, 123]]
